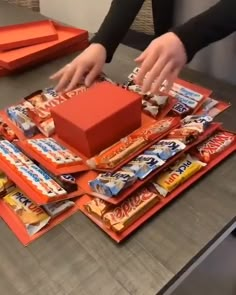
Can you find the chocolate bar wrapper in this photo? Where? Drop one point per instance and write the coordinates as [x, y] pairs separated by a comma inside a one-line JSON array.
[[121, 217], [6, 132], [185, 135], [180, 109], [110, 185], [32, 216], [97, 207], [177, 174], [56, 209], [215, 145]]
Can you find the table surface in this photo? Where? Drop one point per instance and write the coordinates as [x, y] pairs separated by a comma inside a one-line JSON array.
[[76, 257]]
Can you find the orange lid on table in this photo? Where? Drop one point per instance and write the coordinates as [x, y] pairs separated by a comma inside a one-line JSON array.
[[97, 118]]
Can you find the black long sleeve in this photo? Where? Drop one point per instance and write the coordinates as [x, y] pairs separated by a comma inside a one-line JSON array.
[[210, 26], [116, 24]]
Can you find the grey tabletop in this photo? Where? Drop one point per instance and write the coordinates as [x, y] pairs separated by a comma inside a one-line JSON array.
[[76, 257]]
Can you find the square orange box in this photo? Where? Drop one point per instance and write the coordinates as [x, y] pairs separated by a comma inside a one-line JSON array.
[[97, 118]]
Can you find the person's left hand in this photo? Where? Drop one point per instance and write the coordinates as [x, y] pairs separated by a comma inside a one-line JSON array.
[[161, 62]]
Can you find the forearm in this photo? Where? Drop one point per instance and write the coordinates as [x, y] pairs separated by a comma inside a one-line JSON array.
[[212, 25], [116, 24]]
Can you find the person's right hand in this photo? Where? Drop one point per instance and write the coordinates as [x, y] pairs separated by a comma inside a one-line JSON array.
[[84, 68]]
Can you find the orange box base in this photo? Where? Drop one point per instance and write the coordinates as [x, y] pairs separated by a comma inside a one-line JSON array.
[[97, 118]]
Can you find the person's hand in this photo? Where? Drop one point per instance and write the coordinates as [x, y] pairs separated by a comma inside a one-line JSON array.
[[161, 62], [84, 68]]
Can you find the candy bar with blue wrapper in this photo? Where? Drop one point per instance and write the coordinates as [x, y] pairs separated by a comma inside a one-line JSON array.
[[180, 109], [187, 92], [192, 104], [203, 119], [110, 185], [143, 165], [19, 115], [166, 148]]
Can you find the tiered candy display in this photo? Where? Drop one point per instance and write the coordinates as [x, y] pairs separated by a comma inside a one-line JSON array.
[[44, 180]]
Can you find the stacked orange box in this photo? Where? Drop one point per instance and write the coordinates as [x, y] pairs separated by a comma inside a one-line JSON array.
[[25, 45]]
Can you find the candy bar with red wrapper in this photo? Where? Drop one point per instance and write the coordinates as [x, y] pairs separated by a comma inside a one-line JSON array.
[[97, 207], [215, 145], [185, 135], [121, 217]]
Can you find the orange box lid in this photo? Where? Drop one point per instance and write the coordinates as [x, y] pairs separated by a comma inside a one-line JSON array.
[[27, 34], [66, 36]]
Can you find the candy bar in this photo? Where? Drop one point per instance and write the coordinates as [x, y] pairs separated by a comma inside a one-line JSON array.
[[187, 92], [12, 149], [97, 207], [55, 209], [192, 104], [66, 181], [185, 135], [205, 120], [32, 216], [179, 173], [47, 127], [208, 104], [180, 109], [153, 130], [54, 152], [19, 115], [216, 144], [143, 165], [121, 217], [166, 148], [112, 156], [40, 181], [110, 185], [6, 132]]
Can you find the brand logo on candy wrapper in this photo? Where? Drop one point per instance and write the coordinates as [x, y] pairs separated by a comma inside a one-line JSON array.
[[151, 161], [131, 204], [173, 145], [27, 203], [216, 143], [183, 167]]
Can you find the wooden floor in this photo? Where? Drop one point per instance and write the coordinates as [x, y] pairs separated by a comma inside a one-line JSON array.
[[76, 258]]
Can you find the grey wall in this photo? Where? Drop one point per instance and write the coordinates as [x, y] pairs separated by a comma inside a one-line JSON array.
[[219, 59]]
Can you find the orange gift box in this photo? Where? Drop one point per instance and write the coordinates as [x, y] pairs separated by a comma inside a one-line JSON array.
[[97, 118]]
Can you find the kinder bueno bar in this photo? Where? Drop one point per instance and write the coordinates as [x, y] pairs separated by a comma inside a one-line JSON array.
[[6, 132], [192, 104], [32, 216], [179, 173], [216, 144], [202, 119], [110, 185], [19, 114], [97, 207], [166, 148], [56, 209], [151, 110], [143, 165], [187, 92], [121, 217], [159, 100]]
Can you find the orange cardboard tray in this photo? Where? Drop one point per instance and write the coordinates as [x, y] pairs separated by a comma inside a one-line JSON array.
[[84, 179], [26, 34], [18, 58], [34, 195], [80, 167], [79, 46], [17, 227], [164, 202]]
